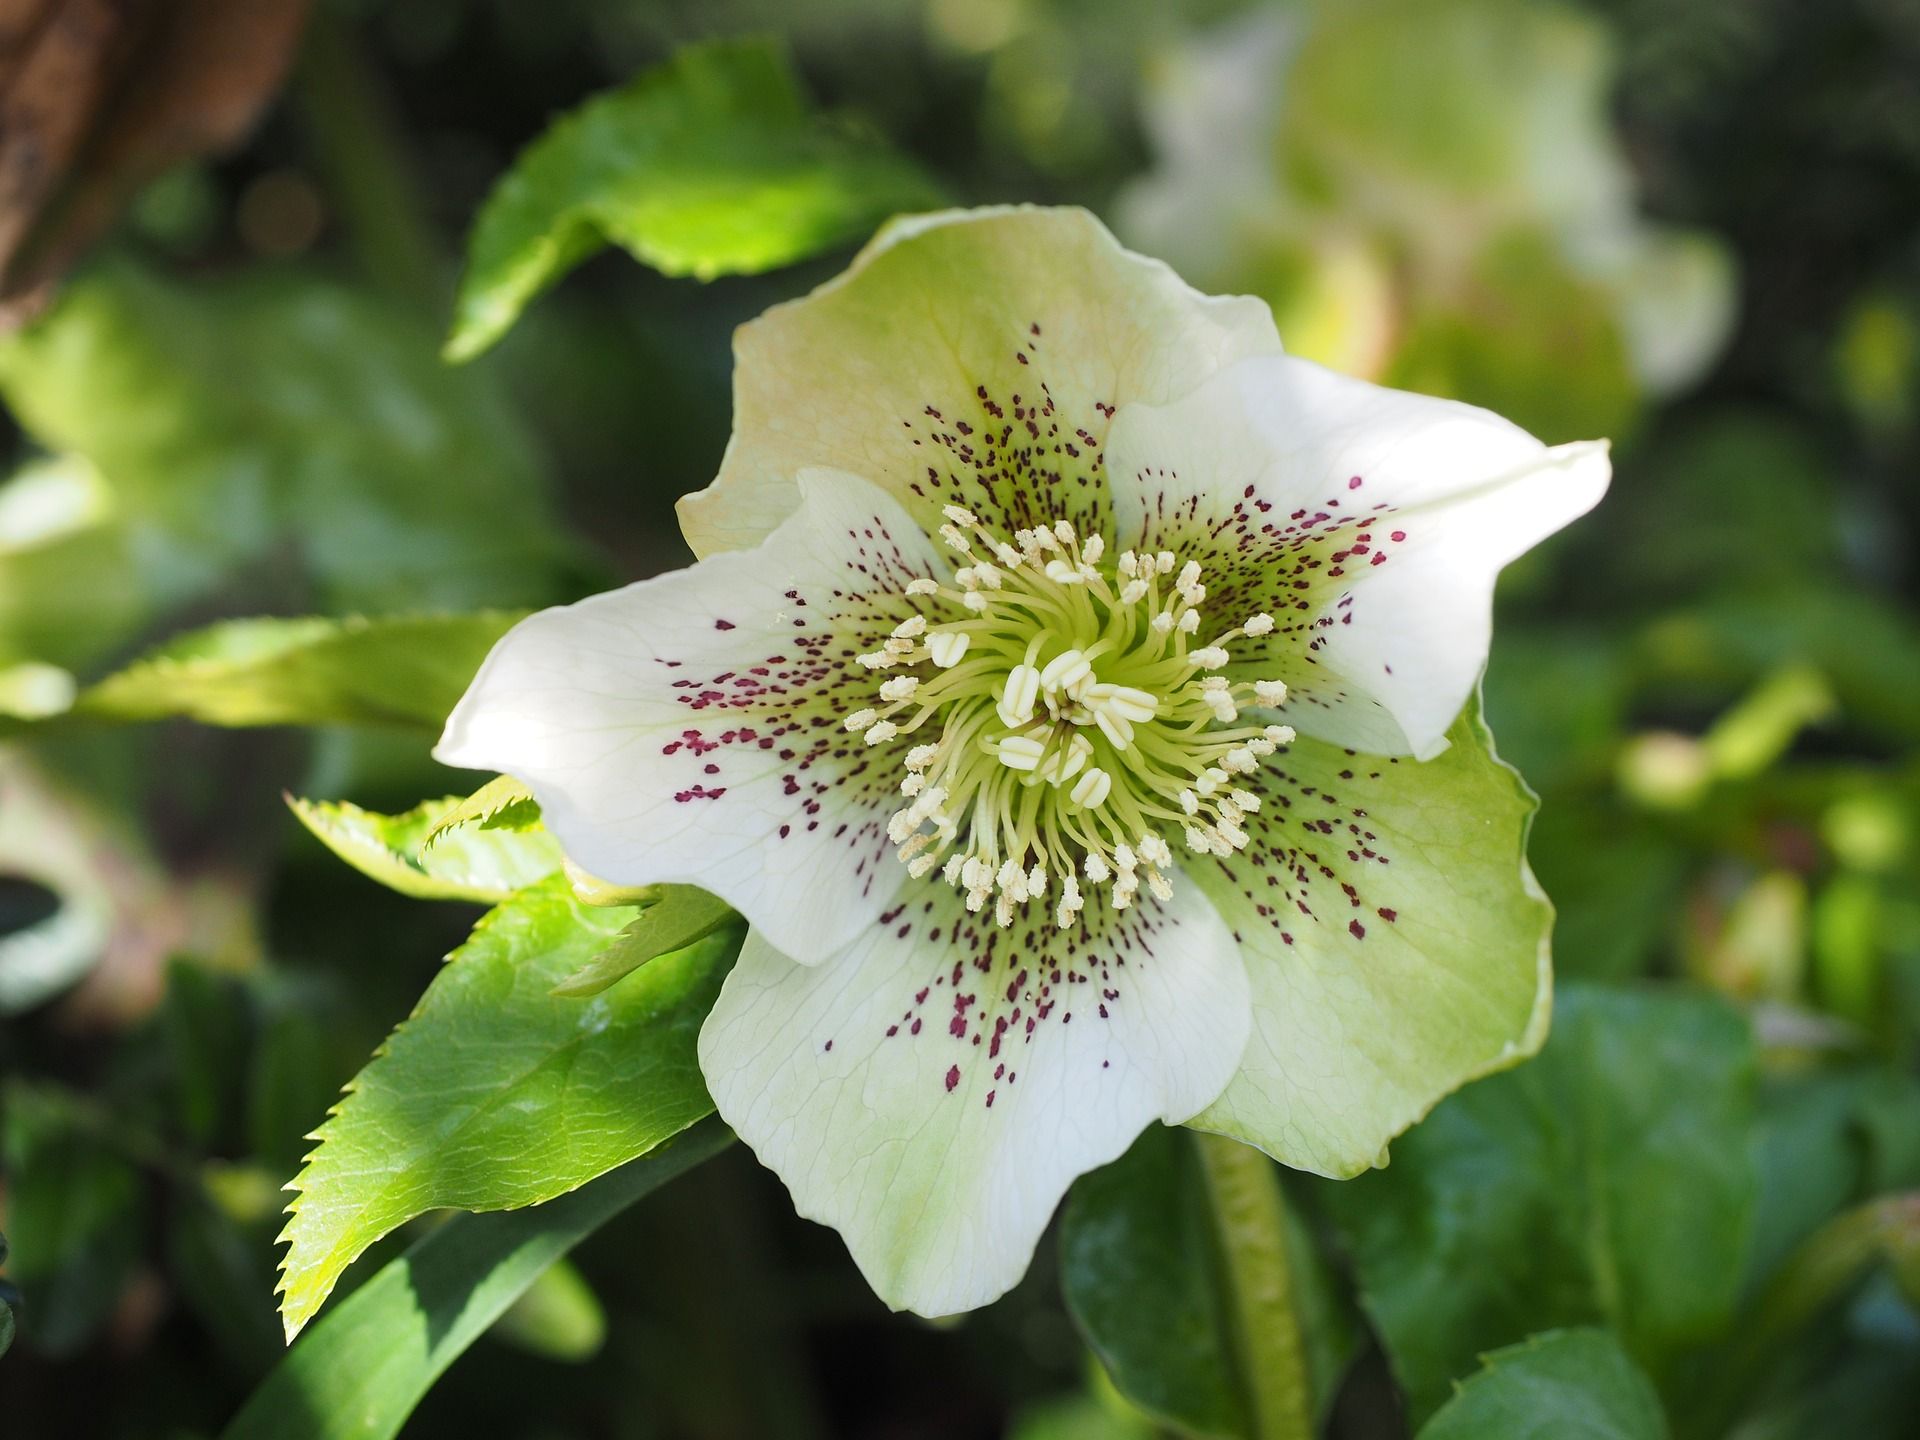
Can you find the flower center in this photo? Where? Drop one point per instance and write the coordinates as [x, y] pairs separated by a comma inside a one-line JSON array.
[[1068, 720]]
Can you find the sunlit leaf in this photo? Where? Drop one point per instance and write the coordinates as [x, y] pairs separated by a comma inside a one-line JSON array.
[[484, 865], [71, 582], [495, 1093], [358, 1373], [1566, 1385], [682, 915], [712, 164], [1611, 1179], [503, 803], [297, 430], [406, 670]]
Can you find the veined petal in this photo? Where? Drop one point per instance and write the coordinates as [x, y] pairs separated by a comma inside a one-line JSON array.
[[1370, 523], [689, 728], [931, 1091], [1396, 944], [971, 357]]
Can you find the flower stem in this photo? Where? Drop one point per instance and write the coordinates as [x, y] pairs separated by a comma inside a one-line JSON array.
[[360, 152], [1250, 1223]]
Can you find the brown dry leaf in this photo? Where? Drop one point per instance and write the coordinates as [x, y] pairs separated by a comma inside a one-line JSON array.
[[99, 96]]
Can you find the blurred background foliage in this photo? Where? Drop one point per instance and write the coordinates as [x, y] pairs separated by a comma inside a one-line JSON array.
[[1695, 228]]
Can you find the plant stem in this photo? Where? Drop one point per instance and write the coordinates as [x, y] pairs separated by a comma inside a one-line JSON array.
[[358, 147], [1250, 1222]]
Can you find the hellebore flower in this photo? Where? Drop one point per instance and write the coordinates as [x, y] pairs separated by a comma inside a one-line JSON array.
[[1430, 192], [1071, 699]]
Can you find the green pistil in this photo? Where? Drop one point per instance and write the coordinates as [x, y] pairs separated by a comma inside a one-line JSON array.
[[1057, 721]]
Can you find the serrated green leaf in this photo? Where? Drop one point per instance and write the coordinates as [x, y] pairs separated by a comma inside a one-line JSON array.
[[358, 1373], [712, 164], [488, 866], [1563, 1385], [1611, 1179], [1141, 1267], [682, 915], [495, 1093], [396, 670], [503, 803]]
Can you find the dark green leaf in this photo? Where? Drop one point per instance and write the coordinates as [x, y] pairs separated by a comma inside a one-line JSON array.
[[73, 1208], [1141, 1271], [358, 1373], [712, 164], [205, 1020], [223, 1271], [682, 915], [6, 1310], [1564, 1385], [399, 670], [398, 851], [495, 1093], [1611, 1179]]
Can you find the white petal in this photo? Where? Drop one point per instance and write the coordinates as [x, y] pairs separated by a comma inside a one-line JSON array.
[[1371, 523], [971, 357], [689, 728], [882, 1088]]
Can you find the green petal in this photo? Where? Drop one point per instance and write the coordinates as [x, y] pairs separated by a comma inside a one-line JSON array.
[[1395, 943], [969, 356]]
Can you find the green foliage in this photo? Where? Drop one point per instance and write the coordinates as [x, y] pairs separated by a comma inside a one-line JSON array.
[[417, 854], [1609, 1180], [71, 583], [710, 165], [74, 1216], [406, 670], [1564, 1385], [6, 1309], [248, 423], [681, 915], [503, 803], [84, 871], [1713, 682], [1147, 1278], [358, 1373], [559, 1317], [495, 1093]]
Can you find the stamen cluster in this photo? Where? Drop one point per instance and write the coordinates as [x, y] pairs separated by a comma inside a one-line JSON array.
[[1071, 723]]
